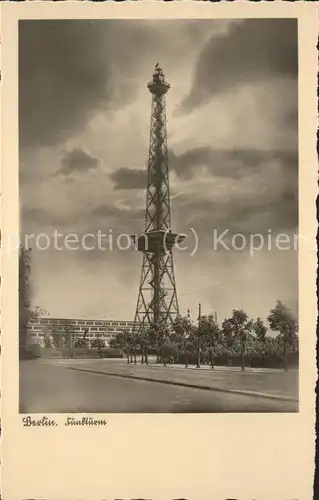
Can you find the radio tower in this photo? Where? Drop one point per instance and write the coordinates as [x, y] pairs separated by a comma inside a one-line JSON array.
[[157, 298]]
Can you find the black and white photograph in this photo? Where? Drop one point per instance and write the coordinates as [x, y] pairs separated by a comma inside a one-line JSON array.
[[158, 200]]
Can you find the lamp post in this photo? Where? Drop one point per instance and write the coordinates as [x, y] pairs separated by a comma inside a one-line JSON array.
[[198, 336]]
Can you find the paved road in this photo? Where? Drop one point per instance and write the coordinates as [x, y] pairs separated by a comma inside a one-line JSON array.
[[46, 388]]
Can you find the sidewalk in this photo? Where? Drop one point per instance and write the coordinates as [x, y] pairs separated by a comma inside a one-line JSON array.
[[275, 384]]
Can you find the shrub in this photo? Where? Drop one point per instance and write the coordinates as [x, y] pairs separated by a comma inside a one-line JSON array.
[[25, 353], [35, 349], [274, 360], [97, 353]]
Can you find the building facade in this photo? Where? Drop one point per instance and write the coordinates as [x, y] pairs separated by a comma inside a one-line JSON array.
[[103, 330]]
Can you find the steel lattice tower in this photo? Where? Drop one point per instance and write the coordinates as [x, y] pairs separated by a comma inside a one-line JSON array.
[[157, 298]]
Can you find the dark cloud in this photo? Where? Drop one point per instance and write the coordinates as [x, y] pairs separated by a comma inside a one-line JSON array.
[[233, 163], [129, 178], [113, 211], [70, 68], [78, 160], [253, 50], [274, 205], [270, 208], [43, 218], [275, 211], [83, 220]]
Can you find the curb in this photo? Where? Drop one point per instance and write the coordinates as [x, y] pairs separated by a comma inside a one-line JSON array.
[[233, 369], [194, 386]]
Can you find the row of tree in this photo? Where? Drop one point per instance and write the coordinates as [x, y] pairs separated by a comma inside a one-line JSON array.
[[236, 336], [65, 337], [204, 341]]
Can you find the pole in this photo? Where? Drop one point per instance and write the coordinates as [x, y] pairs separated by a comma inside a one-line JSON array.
[[186, 337], [73, 345], [198, 336], [62, 345]]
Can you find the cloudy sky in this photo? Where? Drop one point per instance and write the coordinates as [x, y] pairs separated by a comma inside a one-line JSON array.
[[232, 136]]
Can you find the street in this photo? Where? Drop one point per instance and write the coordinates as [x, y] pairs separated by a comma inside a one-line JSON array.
[[54, 388]]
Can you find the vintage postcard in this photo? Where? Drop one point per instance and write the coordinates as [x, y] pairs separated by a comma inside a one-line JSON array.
[[159, 179]]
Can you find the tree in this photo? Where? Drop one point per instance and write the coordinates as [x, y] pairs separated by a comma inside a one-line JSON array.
[[143, 341], [160, 333], [81, 343], [124, 341], [282, 320], [132, 345], [68, 338], [260, 330], [211, 331], [227, 332], [47, 341], [24, 293], [97, 344], [238, 325], [117, 342], [183, 329], [27, 311], [147, 338], [149, 341], [36, 312], [57, 337]]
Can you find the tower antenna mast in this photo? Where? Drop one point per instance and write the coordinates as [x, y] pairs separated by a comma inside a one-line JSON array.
[[157, 298]]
